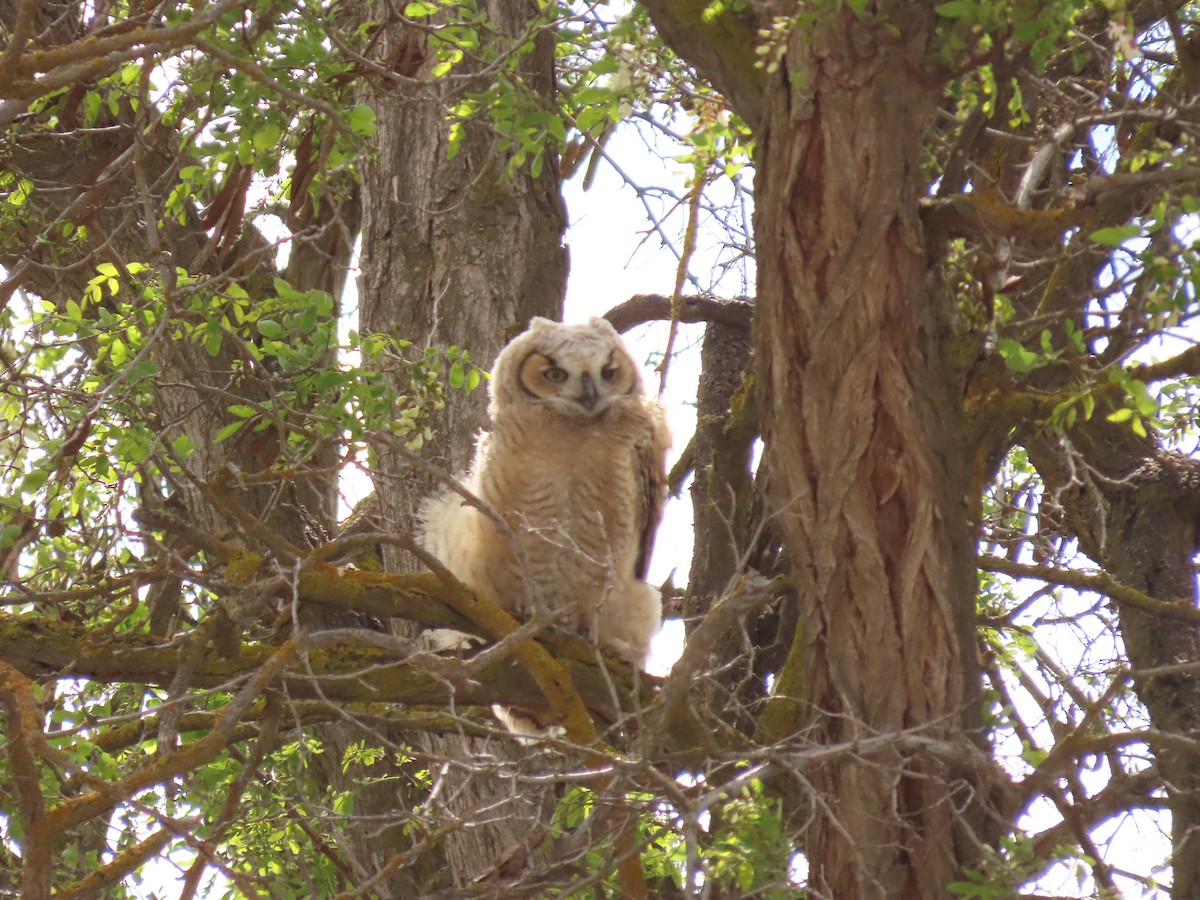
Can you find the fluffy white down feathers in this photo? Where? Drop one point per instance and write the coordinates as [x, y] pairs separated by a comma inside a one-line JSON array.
[[575, 466]]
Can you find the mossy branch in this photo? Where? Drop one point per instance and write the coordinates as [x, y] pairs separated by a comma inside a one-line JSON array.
[[1103, 200], [1100, 583], [346, 672]]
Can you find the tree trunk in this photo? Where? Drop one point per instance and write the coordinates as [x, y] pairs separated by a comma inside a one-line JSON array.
[[1140, 519], [726, 522], [456, 252], [868, 476]]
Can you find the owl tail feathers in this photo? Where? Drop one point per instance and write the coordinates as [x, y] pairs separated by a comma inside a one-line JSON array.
[[527, 730], [628, 621], [447, 640]]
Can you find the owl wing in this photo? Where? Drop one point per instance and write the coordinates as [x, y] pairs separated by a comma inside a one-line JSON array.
[[651, 467]]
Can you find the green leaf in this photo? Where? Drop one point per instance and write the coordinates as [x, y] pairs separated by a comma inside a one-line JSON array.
[[1116, 235], [956, 9], [91, 107], [590, 116], [593, 94], [1016, 357], [1035, 756], [361, 120], [34, 480], [286, 291], [183, 446], [269, 328], [454, 140], [9, 534], [212, 341], [1145, 402], [228, 431], [266, 138], [242, 411], [1121, 415], [20, 193], [606, 65]]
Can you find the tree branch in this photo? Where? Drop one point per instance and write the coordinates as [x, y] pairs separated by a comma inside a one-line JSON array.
[[1185, 364], [720, 47], [1136, 791], [346, 673], [1100, 583], [23, 726], [93, 56], [1102, 200], [642, 308]]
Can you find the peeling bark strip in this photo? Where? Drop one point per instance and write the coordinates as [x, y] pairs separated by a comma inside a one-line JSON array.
[[863, 447]]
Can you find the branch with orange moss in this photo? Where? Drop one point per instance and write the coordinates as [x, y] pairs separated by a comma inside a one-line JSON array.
[[378, 669], [23, 728], [469, 611]]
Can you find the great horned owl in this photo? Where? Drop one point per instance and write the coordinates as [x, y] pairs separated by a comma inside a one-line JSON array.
[[574, 464]]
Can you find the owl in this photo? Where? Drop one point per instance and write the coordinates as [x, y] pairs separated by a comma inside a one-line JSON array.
[[574, 466]]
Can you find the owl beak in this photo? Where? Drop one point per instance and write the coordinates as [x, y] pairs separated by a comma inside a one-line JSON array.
[[588, 396]]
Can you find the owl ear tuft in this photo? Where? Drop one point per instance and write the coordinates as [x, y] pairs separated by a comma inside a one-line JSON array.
[[537, 323], [601, 322]]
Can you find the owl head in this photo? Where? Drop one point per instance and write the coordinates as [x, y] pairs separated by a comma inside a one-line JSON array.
[[578, 371]]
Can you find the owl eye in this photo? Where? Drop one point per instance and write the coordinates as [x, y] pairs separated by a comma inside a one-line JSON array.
[[555, 375], [609, 372]]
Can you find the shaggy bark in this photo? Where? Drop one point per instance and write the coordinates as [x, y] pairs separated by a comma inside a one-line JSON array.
[[864, 442], [868, 476]]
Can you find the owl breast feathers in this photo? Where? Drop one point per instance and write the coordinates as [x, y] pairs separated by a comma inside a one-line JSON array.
[[575, 467]]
